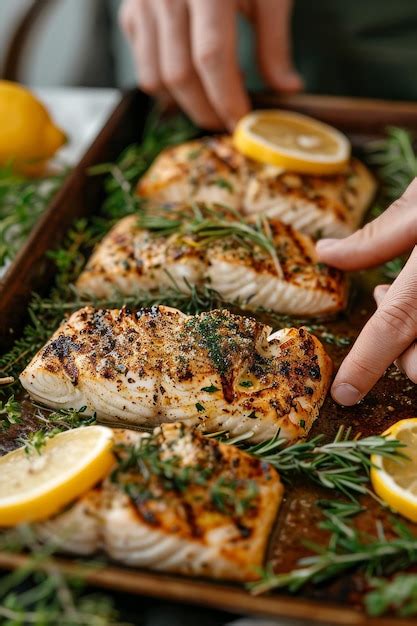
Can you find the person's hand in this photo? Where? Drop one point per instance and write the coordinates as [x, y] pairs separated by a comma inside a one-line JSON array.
[[188, 48], [391, 332]]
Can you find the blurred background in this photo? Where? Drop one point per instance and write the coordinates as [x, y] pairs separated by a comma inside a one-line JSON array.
[[65, 50], [63, 42]]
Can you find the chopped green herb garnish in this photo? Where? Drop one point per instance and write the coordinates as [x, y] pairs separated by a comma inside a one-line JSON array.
[[199, 407], [246, 383], [223, 184], [210, 389]]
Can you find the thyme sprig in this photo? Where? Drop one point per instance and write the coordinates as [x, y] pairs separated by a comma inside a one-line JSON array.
[[53, 422], [342, 465], [347, 548]]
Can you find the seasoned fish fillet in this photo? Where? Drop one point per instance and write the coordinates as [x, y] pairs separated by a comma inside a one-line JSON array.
[[203, 170], [216, 369], [130, 259], [176, 502], [320, 206]]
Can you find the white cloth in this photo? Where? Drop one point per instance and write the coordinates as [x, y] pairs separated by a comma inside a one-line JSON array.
[[81, 113]]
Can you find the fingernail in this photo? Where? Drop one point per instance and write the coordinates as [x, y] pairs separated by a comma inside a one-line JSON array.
[[325, 244], [380, 292], [345, 394], [398, 366]]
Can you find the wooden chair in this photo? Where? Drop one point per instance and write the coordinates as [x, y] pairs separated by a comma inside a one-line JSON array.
[[14, 55]]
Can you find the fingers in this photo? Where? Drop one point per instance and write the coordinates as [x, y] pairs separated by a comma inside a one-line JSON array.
[[273, 32], [138, 23], [407, 361], [386, 336], [176, 66], [391, 234], [213, 42]]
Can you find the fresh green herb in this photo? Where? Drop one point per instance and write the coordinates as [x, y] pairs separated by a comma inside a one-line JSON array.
[[394, 267], [45, 316], [347, 548], [54, 422], [147, 460], [246, 383], [39, 593], [193, 154], [207, 224], [121, 198], [210, 389], [10, 413], [223, 184], [328, 337], [396, 161], [342, 464], [234, 497], [22, 201], [398, 595], [199, 407]]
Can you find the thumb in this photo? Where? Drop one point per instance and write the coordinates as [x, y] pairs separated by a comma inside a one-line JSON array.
[[273, 32], [392, 233]]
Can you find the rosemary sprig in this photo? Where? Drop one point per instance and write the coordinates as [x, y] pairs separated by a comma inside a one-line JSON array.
[[396, 162], [39, 593], [342, 465], [121, 199], [22, 201], [347, 548], [206, 224], [398, 594]]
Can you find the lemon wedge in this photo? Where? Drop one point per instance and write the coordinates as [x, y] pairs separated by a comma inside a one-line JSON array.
[[395, 481], [292, 141], [35, 486]]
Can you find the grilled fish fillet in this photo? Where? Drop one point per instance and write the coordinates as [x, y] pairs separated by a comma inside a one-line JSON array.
[[216, 369], [177, 502], [211, 170], [130, 259]]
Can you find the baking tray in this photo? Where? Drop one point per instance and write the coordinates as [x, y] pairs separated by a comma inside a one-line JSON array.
[[393, 398]]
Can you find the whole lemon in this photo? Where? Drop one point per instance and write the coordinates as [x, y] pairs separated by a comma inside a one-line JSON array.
[[28, 136]]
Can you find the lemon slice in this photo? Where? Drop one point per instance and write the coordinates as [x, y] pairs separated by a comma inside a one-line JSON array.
[[292, 141], [395, 481], [35, 486]]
